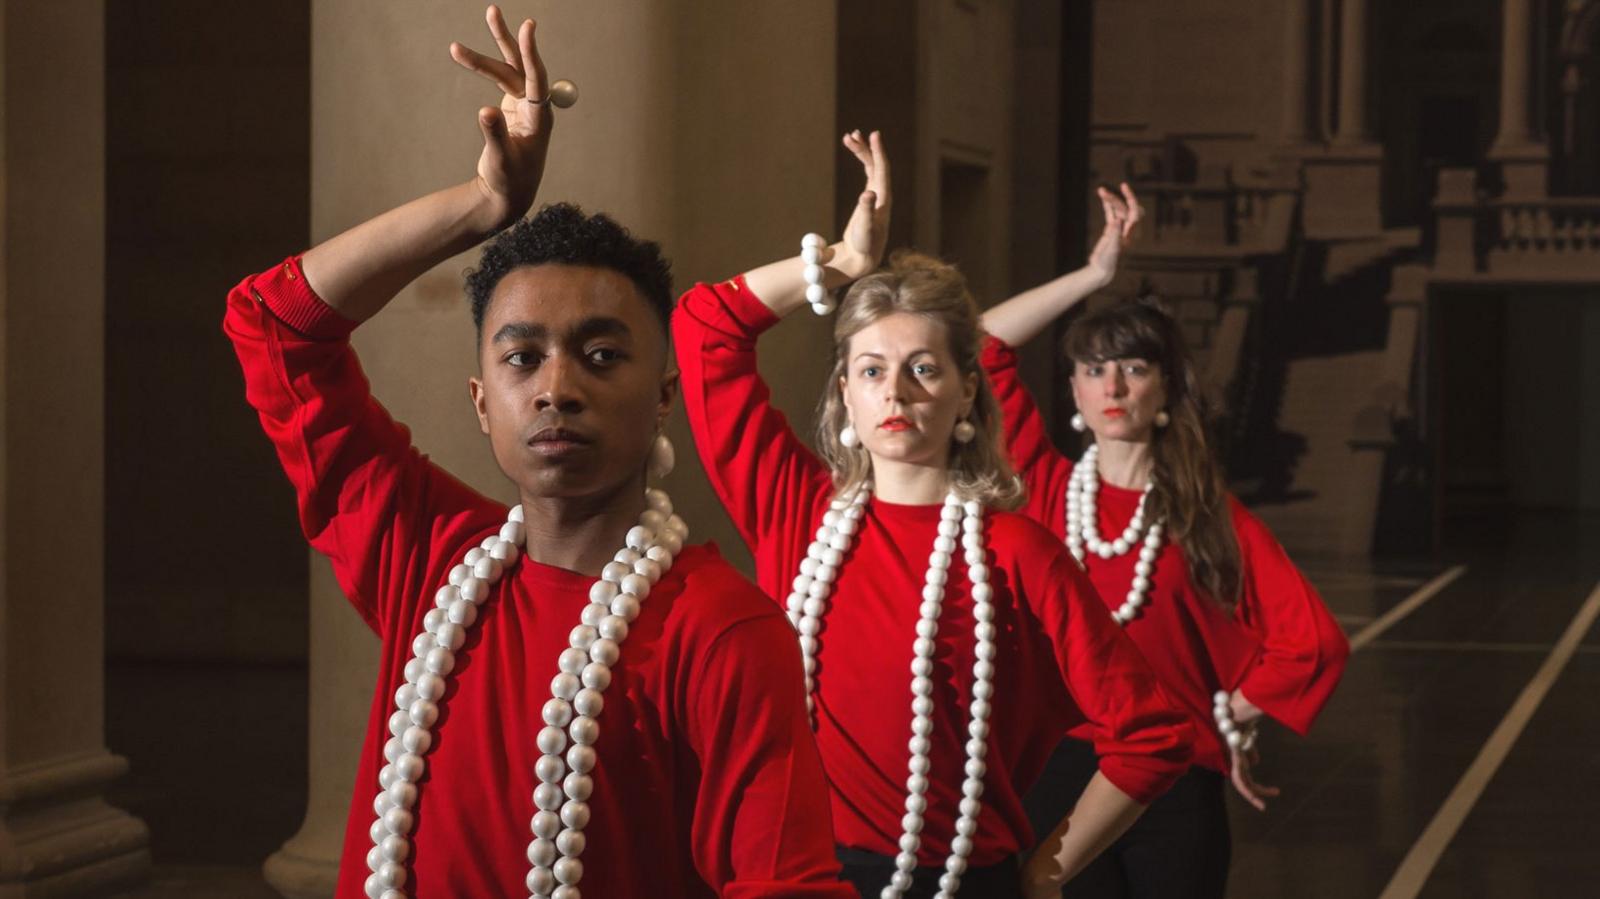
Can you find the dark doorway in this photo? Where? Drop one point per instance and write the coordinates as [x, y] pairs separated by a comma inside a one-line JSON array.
[[207, 180]]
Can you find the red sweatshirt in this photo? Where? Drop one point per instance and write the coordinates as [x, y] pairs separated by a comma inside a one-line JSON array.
[[1061, 661], [708, 780], [1280, 647]]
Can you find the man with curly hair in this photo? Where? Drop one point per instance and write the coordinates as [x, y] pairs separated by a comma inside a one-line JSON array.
[[568, 692]]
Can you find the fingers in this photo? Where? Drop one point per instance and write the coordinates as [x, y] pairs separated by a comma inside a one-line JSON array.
[[1241, 783], [1135, 211], [1112, 209], [536, 82], [878, 178], [504, 76], [856, 145], [492, 124], [502, 36], [868, 150]]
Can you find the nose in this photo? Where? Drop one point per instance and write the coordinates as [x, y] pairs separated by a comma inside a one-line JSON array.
[[1115, 384], [556, 385], [900, 387]]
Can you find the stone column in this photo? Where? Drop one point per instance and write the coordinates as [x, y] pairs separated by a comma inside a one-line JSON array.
[[1353, 128], [661, 84], [344, 664], [57, 834], [1518, 147], [1296, 72], [1343, 182]]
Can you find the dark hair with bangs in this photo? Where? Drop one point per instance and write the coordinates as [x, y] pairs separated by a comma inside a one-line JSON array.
[[564, 234], [1190, 492]]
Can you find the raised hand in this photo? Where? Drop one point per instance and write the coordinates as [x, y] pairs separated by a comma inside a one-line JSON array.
[[1123, 214], [866, 235], [516, 136]]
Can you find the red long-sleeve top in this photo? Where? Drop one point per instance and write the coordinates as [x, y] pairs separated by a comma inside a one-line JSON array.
[[1061, 661], [708, 781], [1280, 647]]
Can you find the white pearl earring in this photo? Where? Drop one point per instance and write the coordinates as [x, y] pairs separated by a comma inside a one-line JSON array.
[[662, 457], [965, 431], [1078, 423], [1163, 419], [848, 438]]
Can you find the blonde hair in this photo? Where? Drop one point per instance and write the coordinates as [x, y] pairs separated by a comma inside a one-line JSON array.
[[916, 284]]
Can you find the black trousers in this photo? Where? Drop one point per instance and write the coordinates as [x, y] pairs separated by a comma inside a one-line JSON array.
[[869, 873], [1178, 849]]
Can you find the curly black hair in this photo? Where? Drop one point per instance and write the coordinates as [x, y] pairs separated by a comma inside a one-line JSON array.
[[562, 233]]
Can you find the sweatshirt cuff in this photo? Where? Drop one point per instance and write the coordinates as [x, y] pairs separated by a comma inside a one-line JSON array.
[[996, 354], [283, 289]]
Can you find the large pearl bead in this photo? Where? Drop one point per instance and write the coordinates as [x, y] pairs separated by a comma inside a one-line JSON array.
[[575, 814], [572, 842], [568, 870]]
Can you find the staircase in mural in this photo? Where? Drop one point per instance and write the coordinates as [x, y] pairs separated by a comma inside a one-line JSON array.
[[1304, 457]]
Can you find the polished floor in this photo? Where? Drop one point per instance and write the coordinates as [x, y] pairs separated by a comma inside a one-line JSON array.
[[1423, 694], [1416, 708]]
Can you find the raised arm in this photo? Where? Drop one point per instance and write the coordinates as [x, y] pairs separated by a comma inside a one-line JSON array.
[[363, 490], [359, 271], [1021, 318], [781, 285], [761, 470]]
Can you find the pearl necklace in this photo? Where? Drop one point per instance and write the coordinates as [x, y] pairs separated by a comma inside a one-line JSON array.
[[576, 704], [808, 603], [1083, 532]]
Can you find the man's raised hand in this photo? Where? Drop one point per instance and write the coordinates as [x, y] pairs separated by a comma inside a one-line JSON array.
[[517, 135]]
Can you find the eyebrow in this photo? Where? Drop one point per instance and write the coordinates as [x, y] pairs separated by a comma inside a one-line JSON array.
[[594, 326], [911, 355]]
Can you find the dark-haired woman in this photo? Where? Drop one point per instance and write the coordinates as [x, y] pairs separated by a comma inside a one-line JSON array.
[[1229, 624]]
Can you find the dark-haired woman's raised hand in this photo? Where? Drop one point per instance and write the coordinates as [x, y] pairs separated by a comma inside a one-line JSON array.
[[1017, 320], [1123, 214], [516, 136]]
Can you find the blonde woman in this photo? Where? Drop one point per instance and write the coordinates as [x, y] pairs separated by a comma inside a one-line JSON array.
[[948, 642]]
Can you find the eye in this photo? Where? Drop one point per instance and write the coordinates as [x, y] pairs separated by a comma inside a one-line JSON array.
[[925, 369], [870, 371], [1136, 369], [1094, 369], [605, 355], [522, 359]]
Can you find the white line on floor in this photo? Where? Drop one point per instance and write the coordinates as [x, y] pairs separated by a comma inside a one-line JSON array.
[[1419, 862], [1406, 607], [1446, 646]]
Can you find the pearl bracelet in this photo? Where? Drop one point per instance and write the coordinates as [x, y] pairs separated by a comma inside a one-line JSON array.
[[1240, 737], [811, 254]]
